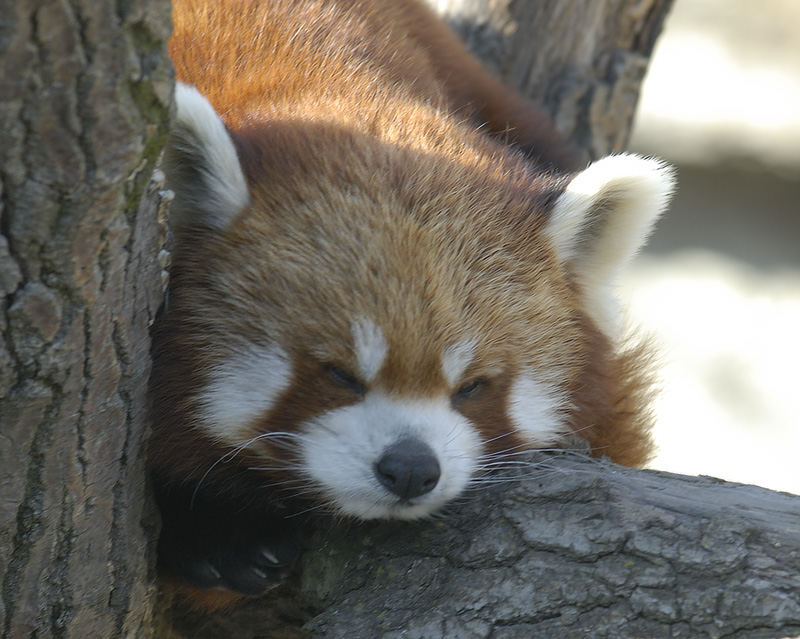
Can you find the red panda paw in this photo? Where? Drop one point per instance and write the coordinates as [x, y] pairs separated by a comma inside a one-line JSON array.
[[211, 543], [243, 565]]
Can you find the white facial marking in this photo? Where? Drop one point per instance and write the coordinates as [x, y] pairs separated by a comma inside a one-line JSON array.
[[456, 358], [244, 387], [536, 410], [370, 347], [340, 449]]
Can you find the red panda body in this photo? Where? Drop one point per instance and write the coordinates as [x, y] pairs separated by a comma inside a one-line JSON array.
[[387, 274]]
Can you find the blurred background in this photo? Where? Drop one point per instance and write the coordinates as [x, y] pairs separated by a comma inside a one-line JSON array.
[[719, 284]]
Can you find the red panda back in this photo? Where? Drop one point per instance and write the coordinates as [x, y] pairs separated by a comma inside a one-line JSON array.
[[291, 53]]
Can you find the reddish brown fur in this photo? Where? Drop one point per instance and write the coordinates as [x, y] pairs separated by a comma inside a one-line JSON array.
[[392, 46], [351, 118], [610, 399]]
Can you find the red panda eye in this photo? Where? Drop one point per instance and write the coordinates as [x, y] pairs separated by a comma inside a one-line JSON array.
[[469, 389], [345, 379]]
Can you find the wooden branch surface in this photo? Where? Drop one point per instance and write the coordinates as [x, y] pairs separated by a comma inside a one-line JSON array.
[[567, 547]]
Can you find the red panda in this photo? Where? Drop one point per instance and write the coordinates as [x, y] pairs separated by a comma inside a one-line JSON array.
[[389, 272]]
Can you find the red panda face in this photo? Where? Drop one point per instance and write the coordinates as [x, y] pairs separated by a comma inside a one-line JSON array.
[[370, 444], [376, 324], [403, 454], [379, 383]]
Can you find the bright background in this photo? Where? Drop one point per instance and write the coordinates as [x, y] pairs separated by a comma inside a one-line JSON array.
[[719, 284]]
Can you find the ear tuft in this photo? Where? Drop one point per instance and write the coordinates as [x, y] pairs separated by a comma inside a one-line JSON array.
[[202, 165], [602, 219]]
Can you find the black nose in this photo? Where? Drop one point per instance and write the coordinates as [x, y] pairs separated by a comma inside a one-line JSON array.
[[408, 468]]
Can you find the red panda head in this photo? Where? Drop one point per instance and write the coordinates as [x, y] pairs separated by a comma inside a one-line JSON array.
[[373, 321]]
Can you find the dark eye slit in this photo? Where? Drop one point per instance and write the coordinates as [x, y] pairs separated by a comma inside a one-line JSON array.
[[469, 389], [345, 379]]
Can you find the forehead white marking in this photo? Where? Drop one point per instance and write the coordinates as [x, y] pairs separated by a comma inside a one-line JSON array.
[[537, 410], [244, 387], [370, 347], [340, 448], [456, 358]]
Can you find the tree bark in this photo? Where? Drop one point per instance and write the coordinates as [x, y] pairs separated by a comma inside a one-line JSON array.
[[566, 547], [84, 94], [584, 60]]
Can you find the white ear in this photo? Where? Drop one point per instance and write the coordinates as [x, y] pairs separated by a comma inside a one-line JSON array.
[[201, 164], [603, 218]]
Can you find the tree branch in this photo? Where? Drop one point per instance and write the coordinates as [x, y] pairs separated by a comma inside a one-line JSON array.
[[566, 547]]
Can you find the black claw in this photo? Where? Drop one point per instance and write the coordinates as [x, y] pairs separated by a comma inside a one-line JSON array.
[[280, 554], [269, 556], [259, 573], [201, 573], [244, 576]]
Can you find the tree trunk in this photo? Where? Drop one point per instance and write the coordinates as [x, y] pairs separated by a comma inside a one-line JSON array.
[[583, 59], [84, 91], [574, 548]]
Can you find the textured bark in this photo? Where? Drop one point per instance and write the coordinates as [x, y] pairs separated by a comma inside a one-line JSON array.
[[84, 89], [583, 59], [570, 547]]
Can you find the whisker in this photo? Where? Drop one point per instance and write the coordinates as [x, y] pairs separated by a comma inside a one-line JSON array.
[[281, 438], [495, 438], [313, 507]]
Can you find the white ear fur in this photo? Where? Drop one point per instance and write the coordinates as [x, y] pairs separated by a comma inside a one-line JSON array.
[[603, 218], [201, 164]]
